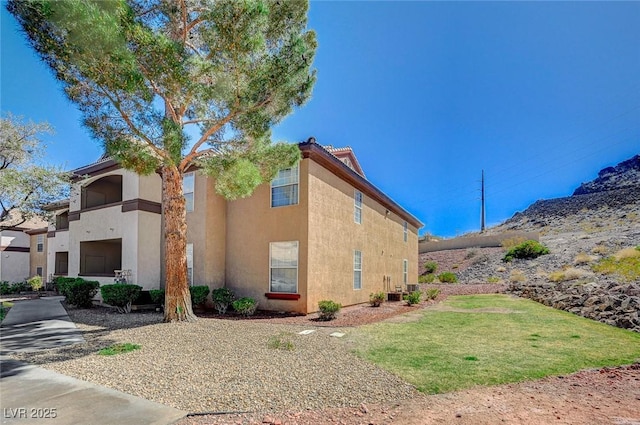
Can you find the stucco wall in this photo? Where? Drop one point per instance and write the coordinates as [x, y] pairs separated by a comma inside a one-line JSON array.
[[14, 266], [57, 243], [206, 229], [251, 225], [38, 259], [334, 236]]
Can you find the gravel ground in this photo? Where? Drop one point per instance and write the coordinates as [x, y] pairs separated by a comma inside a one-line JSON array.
[[222, 365]]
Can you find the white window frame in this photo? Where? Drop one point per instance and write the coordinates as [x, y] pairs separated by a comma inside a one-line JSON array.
[[405, 230], [357, 270], [288, 267], [294, 184], [189, 254], [39, 271], [189, 176], [40, 243], [357, 206], [405, 271]]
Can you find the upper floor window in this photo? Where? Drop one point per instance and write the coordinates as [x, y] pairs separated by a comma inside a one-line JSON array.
[[357, 205], [62, 221], [188, 188], [284, 187], [104, 191], [40, 243], [405, 230]]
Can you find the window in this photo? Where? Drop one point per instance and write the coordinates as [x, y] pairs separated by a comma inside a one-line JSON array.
[[39, 271], [357, 269], [40, 244], [188, 187], [357, 203], [190, 264], [62, 221], [284, 187], [62, 263], [283, 265], [405, 229], [405, 271]]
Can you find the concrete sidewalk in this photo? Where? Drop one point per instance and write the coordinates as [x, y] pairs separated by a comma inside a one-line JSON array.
[[35, 395], [38, 324]]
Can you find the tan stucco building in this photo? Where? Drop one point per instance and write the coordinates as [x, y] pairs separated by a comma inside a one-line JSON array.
[[23, 251], [320, 230]]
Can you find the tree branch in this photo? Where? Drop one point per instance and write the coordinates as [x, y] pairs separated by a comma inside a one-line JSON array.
[[116, 103], [193, 153]]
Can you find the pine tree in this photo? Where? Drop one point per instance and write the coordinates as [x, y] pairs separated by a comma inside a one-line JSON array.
[[143, 72]]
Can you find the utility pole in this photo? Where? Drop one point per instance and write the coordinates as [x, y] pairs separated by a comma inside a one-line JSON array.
[[482, 209]]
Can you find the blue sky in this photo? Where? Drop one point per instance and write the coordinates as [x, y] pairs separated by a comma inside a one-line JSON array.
[[539, 95]]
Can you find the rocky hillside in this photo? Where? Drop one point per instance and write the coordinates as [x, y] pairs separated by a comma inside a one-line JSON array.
[[580, 232], [625, 174]]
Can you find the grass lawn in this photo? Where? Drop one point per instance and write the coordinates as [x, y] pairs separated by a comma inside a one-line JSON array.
[[492, 339]]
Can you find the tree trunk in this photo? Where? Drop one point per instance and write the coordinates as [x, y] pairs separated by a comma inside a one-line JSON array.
[[177, 296]]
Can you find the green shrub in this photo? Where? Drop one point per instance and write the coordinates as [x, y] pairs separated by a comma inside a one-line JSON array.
[[328, 309], [35, 283], [493, 279], [120, 295], [198, 294], [18, 287], [61, 283], [412, 298], [376, 298], [245, 306], [222, 298], [430, 267], [80, 292], [5, 288], [447, 277], [432, 293], [527, 250], [427, 278], [157, 296]]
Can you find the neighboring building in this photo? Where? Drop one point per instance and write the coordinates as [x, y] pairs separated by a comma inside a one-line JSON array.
[[23, 252], [319, 231]]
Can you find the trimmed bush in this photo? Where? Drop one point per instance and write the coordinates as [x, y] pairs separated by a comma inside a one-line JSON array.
[[80, 292], [448, 277], [35, 283], [328, 309], [245, 306], [222, 299], [157, 296], [376, 298], [527, 250], [198, 294], [412, 298], [120, 295], [5, 288], [61, 283], [430, 267], [18, 287], [427, 278]]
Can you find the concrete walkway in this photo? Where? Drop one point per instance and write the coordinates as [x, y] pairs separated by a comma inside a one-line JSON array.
[[38, 324], [35, 395]]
